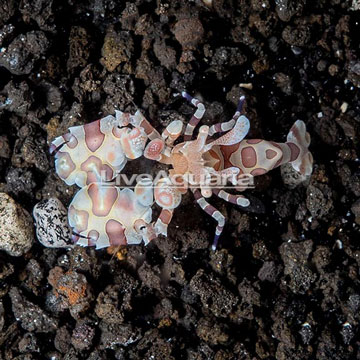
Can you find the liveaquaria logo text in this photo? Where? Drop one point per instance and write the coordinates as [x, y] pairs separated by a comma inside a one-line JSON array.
[[183, 181]]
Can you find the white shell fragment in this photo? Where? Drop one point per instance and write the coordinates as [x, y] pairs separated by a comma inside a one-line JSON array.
[[16, 227], [208, 3], [52, 228]]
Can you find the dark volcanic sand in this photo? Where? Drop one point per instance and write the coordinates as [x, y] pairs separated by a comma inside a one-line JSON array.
[[284, 283]]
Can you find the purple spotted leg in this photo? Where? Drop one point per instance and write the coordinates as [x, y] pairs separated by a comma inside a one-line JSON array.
[[233, 199], [228, 125], [199, 113], [213, 212]]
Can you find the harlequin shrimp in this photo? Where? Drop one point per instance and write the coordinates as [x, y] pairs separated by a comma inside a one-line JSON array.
[[90, 156], [104, 215], [99, 150], [229, 154]]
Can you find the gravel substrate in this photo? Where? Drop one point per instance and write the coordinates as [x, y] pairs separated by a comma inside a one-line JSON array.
[[284, 283]]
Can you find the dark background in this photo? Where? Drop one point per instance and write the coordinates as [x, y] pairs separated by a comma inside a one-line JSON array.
[[284, 283]]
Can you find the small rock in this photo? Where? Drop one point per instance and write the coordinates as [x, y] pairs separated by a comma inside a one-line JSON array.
[[117, 334], [354, 184], [228, 56], [274, 44], [72, 291], [150, 275], [354, 72], [319, 200], [20, 56], [53, 96], [321, 258], [213, 295], [261, 251], [83, 260], [295, 258], [250, 298], [321, 65], [325, 126], [355, 5], [284, 82], [6, 270], [223, 58], [189, 33], [211, 332], [269, 272], [260, 65], [164, 311], [291, 177], [120, 90], [353, 303], [286, 9], [355, 67], [19, 97], [195, 239], [28, 343], [83, 335], [32, 276], [2, 320], [349, 126], [297, 36], [6, 33], [347, 333], [129, 16], [154, 346], [306, 333], [101, 355], [79, 48], [333, 69], [16, 226], [7, 10], [52, 228], [53, 355], [30, 149], [31, 316], [355, 208], [33, 152], [5, 151], [221, 261], [40, 11], [117, 48], [165, 54], [62, 339], [110, 305], [20, 181]]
